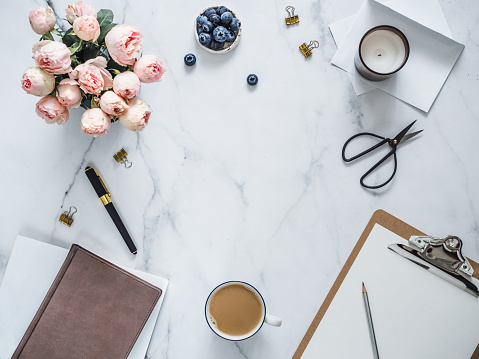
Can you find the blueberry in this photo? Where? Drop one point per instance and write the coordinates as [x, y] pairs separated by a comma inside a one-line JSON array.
[[226, 18], [235, 24], [209, 12], [190, 59], [230, 35], [205, 39], [200, 20], [252, 79], [200, 30], [215, 19], [219, 34], [221, 9], [207, 26], [216, 45]]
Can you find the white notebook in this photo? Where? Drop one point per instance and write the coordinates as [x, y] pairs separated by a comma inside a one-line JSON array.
[[31, 269], [416, 314]]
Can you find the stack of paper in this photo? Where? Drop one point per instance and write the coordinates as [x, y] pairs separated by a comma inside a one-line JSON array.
[[433, 52]]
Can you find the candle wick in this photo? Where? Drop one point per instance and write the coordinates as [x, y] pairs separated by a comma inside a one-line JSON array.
[[379, 55]]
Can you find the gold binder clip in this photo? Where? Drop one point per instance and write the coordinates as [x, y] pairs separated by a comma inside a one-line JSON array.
[[67, 217], [307, 49], [120, 157], [292, 18]]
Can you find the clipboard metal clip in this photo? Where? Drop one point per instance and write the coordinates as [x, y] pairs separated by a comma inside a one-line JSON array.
[[441, 256]]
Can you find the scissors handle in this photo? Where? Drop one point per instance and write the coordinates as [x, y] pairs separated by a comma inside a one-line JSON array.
[[383, 141], [392, 152], [379, 144]]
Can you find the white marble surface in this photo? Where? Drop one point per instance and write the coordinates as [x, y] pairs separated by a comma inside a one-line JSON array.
[[233, 182]]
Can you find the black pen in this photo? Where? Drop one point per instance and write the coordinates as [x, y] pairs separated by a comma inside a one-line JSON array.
[[105, 197]]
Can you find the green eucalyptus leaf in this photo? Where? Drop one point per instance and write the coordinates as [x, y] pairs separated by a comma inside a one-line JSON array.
[[48, 36], [56, 32], [76, 47], [104, 30], [113, 65], [94, 104], [114, 71], [105, 16], [91, 51], [70, 38]]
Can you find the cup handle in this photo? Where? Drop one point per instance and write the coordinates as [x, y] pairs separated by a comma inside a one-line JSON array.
[[272, 320]]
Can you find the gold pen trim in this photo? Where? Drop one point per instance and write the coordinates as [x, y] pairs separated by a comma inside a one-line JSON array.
[[103, 183], [105, 199]]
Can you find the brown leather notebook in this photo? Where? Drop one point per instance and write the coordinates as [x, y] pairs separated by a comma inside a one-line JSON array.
[[94, 309]]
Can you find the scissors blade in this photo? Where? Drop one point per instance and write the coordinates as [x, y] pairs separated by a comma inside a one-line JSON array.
[[401, 134], [409, 136]]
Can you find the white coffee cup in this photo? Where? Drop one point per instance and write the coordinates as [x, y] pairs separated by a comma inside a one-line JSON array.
[[268, 319]]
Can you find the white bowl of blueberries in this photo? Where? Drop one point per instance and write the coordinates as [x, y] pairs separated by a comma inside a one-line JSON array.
[[217, 29]]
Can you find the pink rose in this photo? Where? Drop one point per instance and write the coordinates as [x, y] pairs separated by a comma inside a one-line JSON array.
[[86, 28], [92, 76], [51, 110], [37, 82], [113, 104], [79, 9], [39, 44], [54, 58], [124, 44], [95, 122], [137, 116], [68, 93], [126, 84], [42, 20], [149, 68]]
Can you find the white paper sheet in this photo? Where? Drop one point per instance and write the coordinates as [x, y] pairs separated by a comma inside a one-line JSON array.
[[432, 55], [31, 269], [425, 12], [416, 314]]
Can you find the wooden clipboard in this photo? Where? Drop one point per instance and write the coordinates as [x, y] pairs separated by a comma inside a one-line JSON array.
[[389, 222]]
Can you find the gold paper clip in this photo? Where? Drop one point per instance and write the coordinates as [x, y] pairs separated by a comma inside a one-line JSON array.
[[67, 217], [120, 157], [307, 49], [292, 18]]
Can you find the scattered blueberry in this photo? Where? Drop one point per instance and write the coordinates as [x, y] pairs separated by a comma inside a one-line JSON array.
[[207, 26], [209, 12], [215, 19], [221, 9], [235, 24], [252, 79], [226, 18], [230, 36], [216, 45], [190, 59], [205, 39], [200, 20], [219, 34]]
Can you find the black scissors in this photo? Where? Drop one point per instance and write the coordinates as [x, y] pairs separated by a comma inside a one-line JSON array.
[[400, 138]]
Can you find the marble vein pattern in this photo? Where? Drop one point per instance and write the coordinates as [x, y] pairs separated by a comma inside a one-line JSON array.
[[232, 182]]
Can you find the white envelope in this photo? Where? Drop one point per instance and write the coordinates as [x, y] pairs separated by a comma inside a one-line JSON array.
[[425, 12], [32, 267], [432, 55]]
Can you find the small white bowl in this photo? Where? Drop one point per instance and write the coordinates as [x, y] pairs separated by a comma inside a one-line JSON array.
[[226, 49]]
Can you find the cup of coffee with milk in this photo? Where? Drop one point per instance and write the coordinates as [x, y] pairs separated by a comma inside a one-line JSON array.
[[236, 311]]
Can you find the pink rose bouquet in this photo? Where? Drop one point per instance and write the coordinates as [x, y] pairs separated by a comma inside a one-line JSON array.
[[96, 64]]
